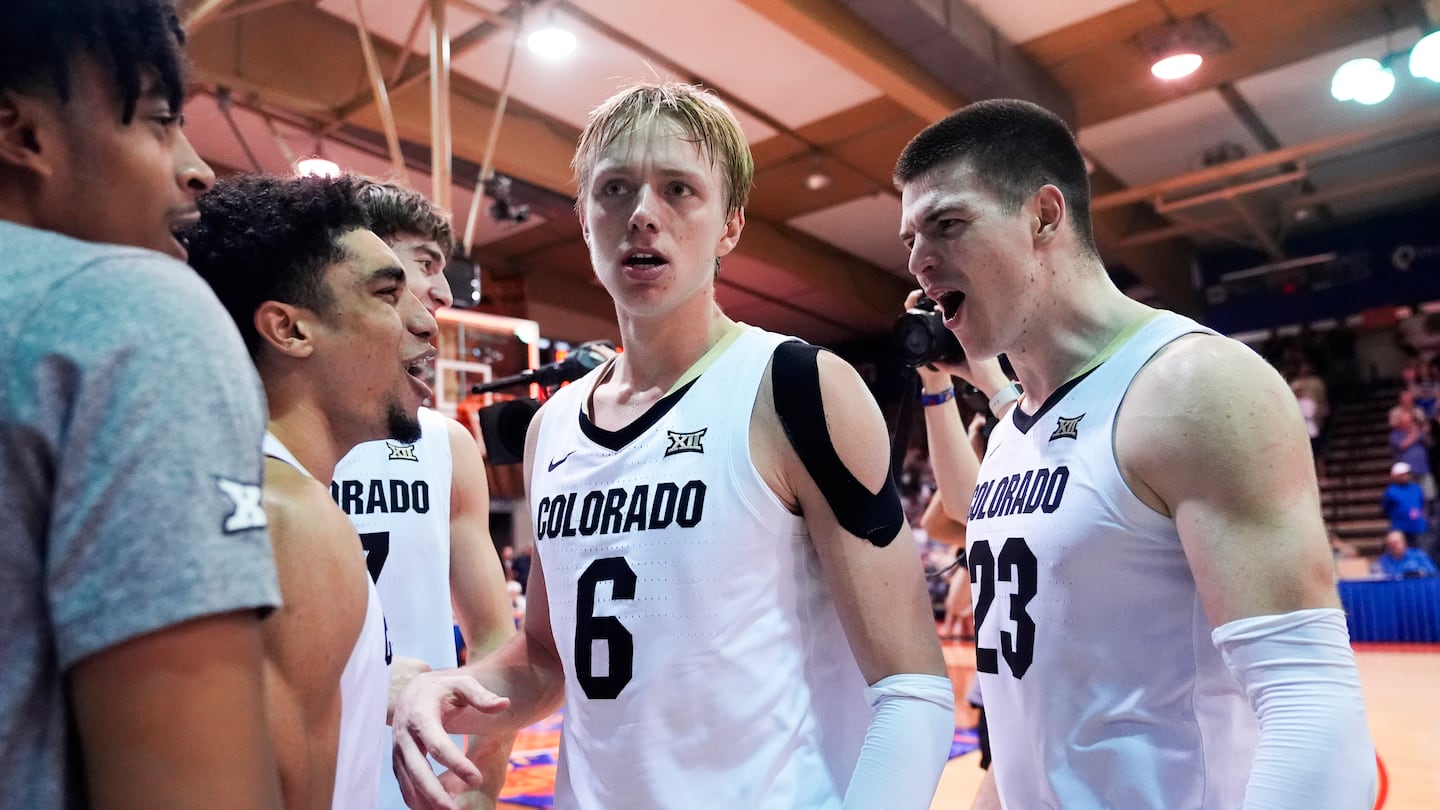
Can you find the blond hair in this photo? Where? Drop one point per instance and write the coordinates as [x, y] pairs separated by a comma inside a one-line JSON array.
[[705, 119]]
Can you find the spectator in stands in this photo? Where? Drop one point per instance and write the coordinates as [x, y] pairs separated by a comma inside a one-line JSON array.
[[1410, 443], [1420, 335], [1406, 404], [1401, 561], [1314, 387], [1404, 505], [1341, 549], [1426, 388], [1310, 411]]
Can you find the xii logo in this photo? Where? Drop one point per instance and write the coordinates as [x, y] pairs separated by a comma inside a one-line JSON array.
[[1068, 427], [685, 442], [402, 452]]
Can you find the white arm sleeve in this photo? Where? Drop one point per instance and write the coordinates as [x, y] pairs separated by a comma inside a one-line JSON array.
[[907, 745], [1299, 672]]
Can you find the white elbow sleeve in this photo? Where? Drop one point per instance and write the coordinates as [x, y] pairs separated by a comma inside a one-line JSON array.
[[1299, 673], [907, 745]]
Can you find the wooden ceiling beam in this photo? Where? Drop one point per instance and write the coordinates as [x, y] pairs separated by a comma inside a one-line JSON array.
[[835, 31]]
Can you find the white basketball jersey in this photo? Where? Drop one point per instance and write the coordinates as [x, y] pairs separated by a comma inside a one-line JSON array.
[[1101, 685], [398, 497], [364, 693], [705, 664]]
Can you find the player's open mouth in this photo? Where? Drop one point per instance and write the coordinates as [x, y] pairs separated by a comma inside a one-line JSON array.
[[419, 370], [950, 303], [180, 228], [644, 258]]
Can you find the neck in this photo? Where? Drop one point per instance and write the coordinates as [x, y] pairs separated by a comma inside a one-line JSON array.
[[1077, 327], [659, 351], [306, 432]]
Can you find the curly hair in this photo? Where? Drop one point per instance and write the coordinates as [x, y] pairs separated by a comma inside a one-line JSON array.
[[41, 39], [1014, 147], [265, 238], [395, 210]]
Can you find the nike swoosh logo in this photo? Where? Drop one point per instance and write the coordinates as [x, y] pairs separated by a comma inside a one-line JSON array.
[[557, 462]]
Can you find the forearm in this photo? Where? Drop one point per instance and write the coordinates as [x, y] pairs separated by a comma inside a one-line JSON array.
[[484, 615], [907, 744], [1299, 673], [951, 459], [520, 670], [491, 755], [938, 524]]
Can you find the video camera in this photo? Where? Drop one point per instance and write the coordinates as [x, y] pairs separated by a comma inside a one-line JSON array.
[[919, 337]]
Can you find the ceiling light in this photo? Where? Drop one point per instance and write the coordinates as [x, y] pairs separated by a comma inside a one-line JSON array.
[[1364, 80], [1177, 66], [316, 167], [1425, 57], [551, 42], [817, 180], [1177, 48]]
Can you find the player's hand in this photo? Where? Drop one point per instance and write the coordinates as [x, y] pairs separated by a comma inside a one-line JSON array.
[[402, 670], [428, 703], [985, 375], [464, 796]]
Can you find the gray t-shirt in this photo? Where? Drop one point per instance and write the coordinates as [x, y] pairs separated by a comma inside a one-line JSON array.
[[130, 470]]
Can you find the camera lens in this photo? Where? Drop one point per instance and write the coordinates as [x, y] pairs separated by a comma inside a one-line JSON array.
[[919, 337]]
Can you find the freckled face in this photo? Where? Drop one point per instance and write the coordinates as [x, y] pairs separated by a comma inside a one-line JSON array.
[[654, 218]]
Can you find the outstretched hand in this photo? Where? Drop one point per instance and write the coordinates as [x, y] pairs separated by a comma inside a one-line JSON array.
[[431, 702]]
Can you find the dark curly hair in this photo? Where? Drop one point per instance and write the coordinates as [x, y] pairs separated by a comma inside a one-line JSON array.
[[264, 238], [41, 39], [1014, 147]]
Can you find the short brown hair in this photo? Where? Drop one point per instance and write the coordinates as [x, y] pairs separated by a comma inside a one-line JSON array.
[[395, 210], [1014, 147]]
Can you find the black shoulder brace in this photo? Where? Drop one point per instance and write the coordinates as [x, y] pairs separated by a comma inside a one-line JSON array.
[[875, 516]]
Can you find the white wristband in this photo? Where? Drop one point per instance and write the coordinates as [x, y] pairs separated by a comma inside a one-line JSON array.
[[1003, 397]]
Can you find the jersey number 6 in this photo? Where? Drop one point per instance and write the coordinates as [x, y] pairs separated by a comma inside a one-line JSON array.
[[1016, 564], [590, 628]]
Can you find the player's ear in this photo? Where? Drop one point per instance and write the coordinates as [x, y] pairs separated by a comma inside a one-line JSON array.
[[283, 329], [22, 120], [734, 224], [1049, 211]]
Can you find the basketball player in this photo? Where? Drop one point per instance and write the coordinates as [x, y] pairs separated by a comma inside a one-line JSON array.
[[716, 579], [339, 342], [1157, 624], [135, 565], [423, 509]]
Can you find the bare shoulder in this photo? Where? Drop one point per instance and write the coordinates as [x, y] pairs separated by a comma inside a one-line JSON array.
[[460, 437], [1204, 406], [299, 506], [1202, 363], [466, 464], [532, 439]]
